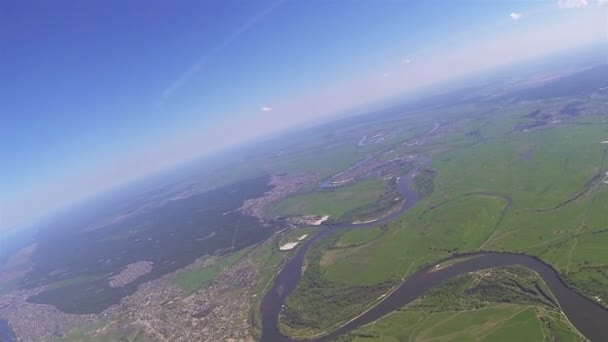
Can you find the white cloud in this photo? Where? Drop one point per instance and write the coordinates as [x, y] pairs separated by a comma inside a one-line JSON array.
[[406, 61], [572, 3], [515, 16], [266, 109], [187, 75], [602, 2]]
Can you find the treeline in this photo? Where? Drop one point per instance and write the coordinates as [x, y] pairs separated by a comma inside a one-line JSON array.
[[424, 182], [512, 284], [321, 304]]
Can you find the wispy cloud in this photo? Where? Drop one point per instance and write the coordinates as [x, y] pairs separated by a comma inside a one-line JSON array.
[[266, 109], [187, 75], [515, 16], [406, 61], [572, 3]]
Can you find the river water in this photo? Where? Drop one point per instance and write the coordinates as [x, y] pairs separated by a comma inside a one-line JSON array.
[[589, 318], [5, 332]]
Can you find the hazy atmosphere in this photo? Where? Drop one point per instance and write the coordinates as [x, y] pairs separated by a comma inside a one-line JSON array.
[[304, 171], [99, 94]]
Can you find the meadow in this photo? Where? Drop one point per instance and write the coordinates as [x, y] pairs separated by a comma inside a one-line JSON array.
[[337, 203], [533, 191], [192, 280], [503, 304], [269, 259]]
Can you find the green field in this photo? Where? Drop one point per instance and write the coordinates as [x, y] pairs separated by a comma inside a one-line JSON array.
[[192, 280], [295, 235], [109, 329], [318, 304], [358, 237], [534, 192], [338, 203], [500, 305], [458, 225], [76, 280], [503, 322], [270, 259]]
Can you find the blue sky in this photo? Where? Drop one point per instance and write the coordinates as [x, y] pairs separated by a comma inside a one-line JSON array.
[[95, 94]]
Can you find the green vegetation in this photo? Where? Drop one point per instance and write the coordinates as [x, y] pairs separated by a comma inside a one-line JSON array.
[[269, 259], [115, 328], [535, 192], [513, 284], [424, 182], [76, 280], [358, 237], [294, 235], [341, 282], [458, 225], [318, 304], [538, 169], [502, 322], [192, 280], [503, 304], [338, 203]]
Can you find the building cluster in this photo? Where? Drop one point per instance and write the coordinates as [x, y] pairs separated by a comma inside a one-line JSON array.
[[38, 322], [159, 309], [131, 273]]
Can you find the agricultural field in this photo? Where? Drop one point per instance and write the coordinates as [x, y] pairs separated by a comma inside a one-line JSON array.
[[337, 203], [297, 234], [358, 237], [352, 278], [501, 183], [192, 280], [459, 225], [504, 304], [313, 307], [113, 328], [269, 259]]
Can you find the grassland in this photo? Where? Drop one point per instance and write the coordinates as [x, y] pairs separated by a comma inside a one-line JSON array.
[[269, 259], [337, 203], [359, 237], [458, 225], [495, 305], [109, 329], [342, 281], [424, 182], [192, 280], [295, 235], [313, 307], [76, 280], [534, 192]]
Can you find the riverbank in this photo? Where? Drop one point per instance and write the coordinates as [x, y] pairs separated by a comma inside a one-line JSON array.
[[575, 306]]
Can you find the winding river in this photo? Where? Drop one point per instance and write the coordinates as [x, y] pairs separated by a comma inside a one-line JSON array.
[[589, 318]]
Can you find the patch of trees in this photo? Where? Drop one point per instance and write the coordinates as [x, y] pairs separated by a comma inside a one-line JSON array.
[[424, 182], [319, 303]]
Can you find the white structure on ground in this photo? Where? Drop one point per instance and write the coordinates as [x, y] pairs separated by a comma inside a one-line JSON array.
[[321, 220], [288, 246]]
